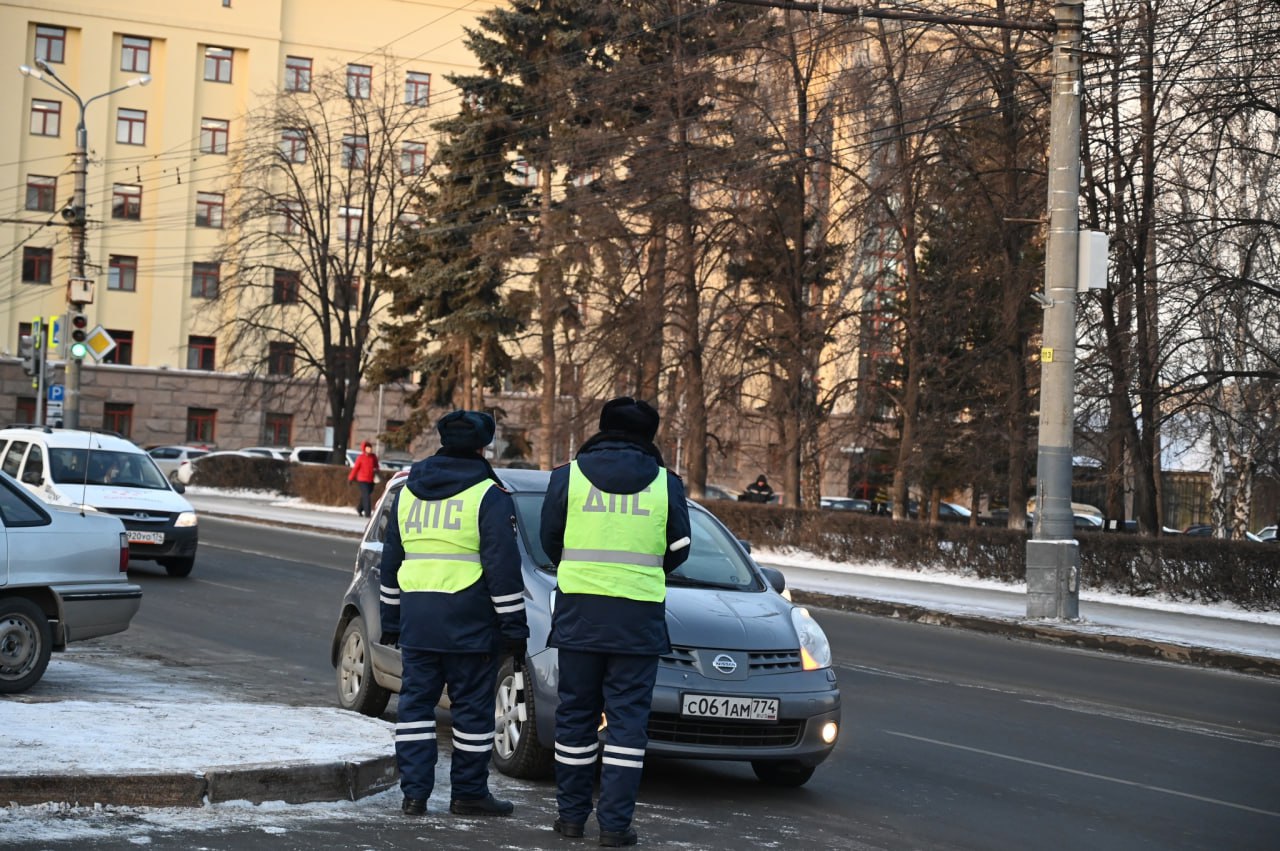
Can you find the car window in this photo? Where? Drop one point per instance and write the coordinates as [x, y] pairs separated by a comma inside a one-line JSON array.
[[33, 470], [164, 452], [105, 467], [13, 457], [16, 509], [377, 531], [314, 456], [196, 453], [714, 557]]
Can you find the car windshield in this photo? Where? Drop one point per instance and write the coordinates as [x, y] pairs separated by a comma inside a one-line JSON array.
[[105, 467], [714, 558]]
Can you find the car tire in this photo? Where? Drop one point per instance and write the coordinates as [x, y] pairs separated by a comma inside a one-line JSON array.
[[791, 774], [173, 477], [516, 749], [178, 566], [26, 640], [358, 691]]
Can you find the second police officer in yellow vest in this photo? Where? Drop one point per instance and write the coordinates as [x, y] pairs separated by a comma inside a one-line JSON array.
[[616, 521], [452, 597]]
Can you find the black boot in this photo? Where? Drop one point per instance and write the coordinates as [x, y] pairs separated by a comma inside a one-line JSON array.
[[414, 806], [568, 829], [486, 806], [618, 838]]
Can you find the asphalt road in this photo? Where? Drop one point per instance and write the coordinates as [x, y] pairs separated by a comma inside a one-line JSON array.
[[951, 739]]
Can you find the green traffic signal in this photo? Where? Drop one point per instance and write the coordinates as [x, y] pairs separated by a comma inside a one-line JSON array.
[[79, 350]]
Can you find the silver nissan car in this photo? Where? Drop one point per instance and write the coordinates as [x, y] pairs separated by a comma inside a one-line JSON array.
[[748, 678]]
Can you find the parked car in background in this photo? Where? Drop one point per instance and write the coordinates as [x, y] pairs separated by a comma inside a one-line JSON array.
[[188, 470], [170, 458], [718, 492], [845, 503], [952, 512], [62, 578], [315, 455], [105, 472], [394, 463], [1198, 530], [1267, 534], [748, 678], [280, 453]]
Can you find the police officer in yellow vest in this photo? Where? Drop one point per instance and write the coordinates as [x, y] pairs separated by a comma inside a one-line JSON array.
[[616, 521], [452, 597]]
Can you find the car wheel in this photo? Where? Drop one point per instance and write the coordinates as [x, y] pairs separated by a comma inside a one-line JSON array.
[[782, 773], [178, 566], [26, 640], [358, 691], [173, 476], [516, 750]]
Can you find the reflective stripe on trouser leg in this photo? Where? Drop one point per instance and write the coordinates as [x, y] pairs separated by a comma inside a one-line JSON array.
[[577, 732], [628, 696], [472, 678], [416, 747]]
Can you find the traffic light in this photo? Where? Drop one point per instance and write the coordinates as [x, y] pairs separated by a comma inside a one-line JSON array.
[[79, 323], [27, 351]]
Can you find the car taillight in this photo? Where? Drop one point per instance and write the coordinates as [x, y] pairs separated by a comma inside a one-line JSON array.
[[124, 553]]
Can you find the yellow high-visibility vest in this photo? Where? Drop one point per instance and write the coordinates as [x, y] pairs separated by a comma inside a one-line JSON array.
[[614, 542], [441, 540]]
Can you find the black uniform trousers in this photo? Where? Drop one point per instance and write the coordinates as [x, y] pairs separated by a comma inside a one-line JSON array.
[[622, 687], [471, 678]]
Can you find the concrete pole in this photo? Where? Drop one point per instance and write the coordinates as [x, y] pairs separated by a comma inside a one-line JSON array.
[[80, 169], [1053, 555]]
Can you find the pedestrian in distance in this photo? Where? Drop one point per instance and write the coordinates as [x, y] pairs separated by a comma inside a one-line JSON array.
[[615, 521], [452, 598], [364, 472], [758, 491]]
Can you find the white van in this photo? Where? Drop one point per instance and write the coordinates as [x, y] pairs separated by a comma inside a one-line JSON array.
[[105, 472]]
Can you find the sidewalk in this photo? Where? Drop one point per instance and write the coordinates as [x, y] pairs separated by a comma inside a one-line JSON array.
[[102, 728]]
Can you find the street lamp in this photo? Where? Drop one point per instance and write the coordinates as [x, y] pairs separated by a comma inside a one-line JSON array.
[[75, 216]]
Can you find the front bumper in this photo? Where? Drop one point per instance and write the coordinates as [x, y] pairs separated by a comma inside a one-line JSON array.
[[179, 542]]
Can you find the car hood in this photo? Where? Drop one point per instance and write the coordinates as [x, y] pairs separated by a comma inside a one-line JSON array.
[[738, 620], [110, 496]]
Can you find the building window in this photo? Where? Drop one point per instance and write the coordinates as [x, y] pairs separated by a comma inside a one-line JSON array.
[[359, 81], [135, 54], [293, 146], [46, 117], [37, 265], [413, 158], [297, 73], [131, 127], [346, 291], [350, 219], [277, 430], [126, 201], [345, 361], [290, 218], [280, 358], [51, 44], [355, 151], [205, 278], [122, 354], [200, 352], [201, 425], [284, 286], [213, 135], [217, 64], [42, 193], [118, 417], [25, 410], [122, 273], [209, 209], [417, 88]]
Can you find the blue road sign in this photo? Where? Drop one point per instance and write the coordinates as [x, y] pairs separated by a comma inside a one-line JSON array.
[[55, 392]]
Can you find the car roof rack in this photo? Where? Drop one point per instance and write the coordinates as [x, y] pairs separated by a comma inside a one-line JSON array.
[[44, 428]]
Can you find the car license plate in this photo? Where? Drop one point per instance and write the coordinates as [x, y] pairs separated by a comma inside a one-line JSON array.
[[736, 708], [144, 537]]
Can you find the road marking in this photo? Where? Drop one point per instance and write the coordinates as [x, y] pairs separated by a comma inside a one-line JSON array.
[[1088, 774], [221, 585], [277, 557]]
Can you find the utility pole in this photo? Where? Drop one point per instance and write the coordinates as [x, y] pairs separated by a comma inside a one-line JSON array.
[[1053, 554], [79, 288]]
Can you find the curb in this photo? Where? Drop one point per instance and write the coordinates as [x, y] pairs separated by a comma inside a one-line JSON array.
[[1126, 645], [291, 783]]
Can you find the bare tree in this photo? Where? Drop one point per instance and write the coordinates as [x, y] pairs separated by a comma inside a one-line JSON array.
[[330, 169]]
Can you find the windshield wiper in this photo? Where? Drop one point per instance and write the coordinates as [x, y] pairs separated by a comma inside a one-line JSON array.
[[691, 582]]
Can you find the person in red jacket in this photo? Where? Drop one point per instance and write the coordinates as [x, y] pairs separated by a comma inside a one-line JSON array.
[[362, 473]]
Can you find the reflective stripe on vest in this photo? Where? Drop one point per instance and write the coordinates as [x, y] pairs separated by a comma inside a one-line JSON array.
[[614, 542], [441, 540]]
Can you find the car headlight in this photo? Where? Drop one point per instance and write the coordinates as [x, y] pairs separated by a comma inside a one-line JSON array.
[[186, 518], [815, 650]]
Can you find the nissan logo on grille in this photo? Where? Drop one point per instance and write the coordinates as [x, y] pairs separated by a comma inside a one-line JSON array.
[[724, 664]]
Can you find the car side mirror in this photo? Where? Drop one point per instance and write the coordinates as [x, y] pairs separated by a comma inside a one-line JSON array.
[[179, 487], [746, 545], [776, 580]]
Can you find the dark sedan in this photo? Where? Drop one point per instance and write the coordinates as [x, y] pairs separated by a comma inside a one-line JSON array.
[[748, 678]]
